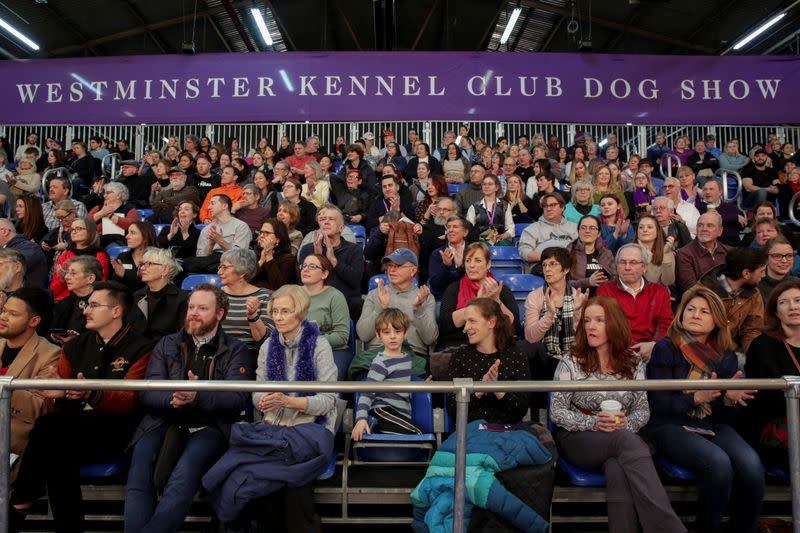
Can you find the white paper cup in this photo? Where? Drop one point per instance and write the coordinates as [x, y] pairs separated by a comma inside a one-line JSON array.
[[612, 407]]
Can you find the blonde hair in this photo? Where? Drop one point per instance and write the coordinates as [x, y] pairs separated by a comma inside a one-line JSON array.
[[297, 295]]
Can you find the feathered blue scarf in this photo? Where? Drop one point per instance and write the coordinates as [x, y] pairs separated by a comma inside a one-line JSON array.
[[304, 368]]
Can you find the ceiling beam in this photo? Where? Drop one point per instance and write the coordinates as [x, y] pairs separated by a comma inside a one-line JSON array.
[[215, 26], [72, 27], [159, 42], [521, 30], [487, 34], [552, 33], [720, 9], [347, 25], [614, 40], [424, 25], [237, 23], [132, 32], [535, 4], [281, 28]]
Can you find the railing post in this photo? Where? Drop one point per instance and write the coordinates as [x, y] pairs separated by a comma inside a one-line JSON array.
[[793, 425], [5, 449], [463, 390]]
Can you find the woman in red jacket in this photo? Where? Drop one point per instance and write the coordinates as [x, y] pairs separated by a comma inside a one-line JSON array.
[[85, 241]]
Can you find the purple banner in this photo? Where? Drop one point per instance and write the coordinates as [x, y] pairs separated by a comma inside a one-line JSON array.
[[349, 86]]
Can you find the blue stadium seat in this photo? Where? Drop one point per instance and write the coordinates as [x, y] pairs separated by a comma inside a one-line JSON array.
[[673, 470], [401, 448], [342, 358], [518, 229], [200, 226], [110, 469], [160, 227], [114, 251], [453, 188], [521, 284], [351, 341], [373, 281], [144, 214], [521, 307], [505, 260], [196, 279], [775, 472], [577, 476], [360, 233]]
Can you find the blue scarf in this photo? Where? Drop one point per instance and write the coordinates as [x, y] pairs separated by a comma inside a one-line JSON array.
[[304, 368]]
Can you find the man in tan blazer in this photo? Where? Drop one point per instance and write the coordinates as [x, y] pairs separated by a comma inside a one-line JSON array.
[[25, 355]]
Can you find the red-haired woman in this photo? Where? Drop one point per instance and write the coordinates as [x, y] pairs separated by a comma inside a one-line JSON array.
[[593, 438], [435, 188]]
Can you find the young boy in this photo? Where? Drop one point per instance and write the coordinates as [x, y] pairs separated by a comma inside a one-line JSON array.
[[392, 410]]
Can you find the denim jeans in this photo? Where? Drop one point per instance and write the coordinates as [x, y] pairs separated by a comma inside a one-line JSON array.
[[143, 512], [726, 467], [751, 199]]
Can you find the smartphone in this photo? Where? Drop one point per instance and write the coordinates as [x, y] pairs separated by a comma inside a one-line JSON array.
[[700, 431]]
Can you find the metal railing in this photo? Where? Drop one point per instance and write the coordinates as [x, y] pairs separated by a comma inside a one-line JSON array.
[[632, 138], [461, 388]]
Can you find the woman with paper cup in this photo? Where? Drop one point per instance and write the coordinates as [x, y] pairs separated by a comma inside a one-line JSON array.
[[598, 430]]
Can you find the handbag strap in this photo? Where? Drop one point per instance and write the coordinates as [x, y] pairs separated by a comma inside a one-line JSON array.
[[791, 354]]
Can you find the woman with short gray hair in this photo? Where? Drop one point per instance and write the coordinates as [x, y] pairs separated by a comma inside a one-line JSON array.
[[160, 306], [115, 213], [247, 318]]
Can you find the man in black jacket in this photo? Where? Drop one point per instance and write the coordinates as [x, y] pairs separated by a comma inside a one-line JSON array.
[[184, 433]]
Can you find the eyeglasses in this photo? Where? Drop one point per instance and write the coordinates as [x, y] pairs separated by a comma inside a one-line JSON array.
[[76, 230], [264, 232], [223, 266], [551, 205], [94, 305], [61, 219], [624, 263], [148, 264], [310, 266], [782, 257], [276, 311], [589, 228]]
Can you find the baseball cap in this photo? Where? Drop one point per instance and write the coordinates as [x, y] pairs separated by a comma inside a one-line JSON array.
[[129, 162], [401, 256], [176, 169], [759, 151], [369, 136], [710, 137]]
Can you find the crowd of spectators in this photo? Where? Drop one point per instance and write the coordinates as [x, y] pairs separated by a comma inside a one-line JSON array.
[[647, 270]]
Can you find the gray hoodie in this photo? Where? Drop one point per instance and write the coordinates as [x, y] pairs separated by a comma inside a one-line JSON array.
[[544, 234]]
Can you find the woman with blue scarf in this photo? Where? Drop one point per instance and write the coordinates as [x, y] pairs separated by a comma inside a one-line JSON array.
[[251, 481]]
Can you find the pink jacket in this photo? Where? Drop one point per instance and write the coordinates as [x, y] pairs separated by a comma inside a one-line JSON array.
[[535, 327]]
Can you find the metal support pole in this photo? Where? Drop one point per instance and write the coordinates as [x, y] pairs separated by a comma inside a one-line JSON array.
[[463, 392], [793, 426], [5, 448], [642, 134], [427, 135]]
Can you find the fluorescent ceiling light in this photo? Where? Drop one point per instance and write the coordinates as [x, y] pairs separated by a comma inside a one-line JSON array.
[[13, 31], [758, 31], [262, 26], [512, 21]]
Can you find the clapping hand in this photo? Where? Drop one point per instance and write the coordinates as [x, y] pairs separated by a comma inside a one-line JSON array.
[[447, 257], [707, 396], [119, 268], [383, 293], [51, 373], [739, 396], [422, 296], [492, 375], [78, 394], [184, 398], [490, 288], [580, 297]]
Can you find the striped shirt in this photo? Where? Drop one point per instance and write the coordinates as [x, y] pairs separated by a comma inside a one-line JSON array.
[[235, 323], [387, 368]]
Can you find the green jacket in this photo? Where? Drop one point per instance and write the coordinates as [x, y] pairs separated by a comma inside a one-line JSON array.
[[359, 366]]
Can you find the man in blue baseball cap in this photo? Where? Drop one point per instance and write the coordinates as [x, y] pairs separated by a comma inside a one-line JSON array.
[[401, 293]]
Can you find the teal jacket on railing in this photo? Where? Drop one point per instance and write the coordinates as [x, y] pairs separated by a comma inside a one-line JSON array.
[[488, 452]]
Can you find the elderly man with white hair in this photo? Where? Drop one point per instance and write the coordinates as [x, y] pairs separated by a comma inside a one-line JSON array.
[[685, 211], [675, 231], [647, 305]]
